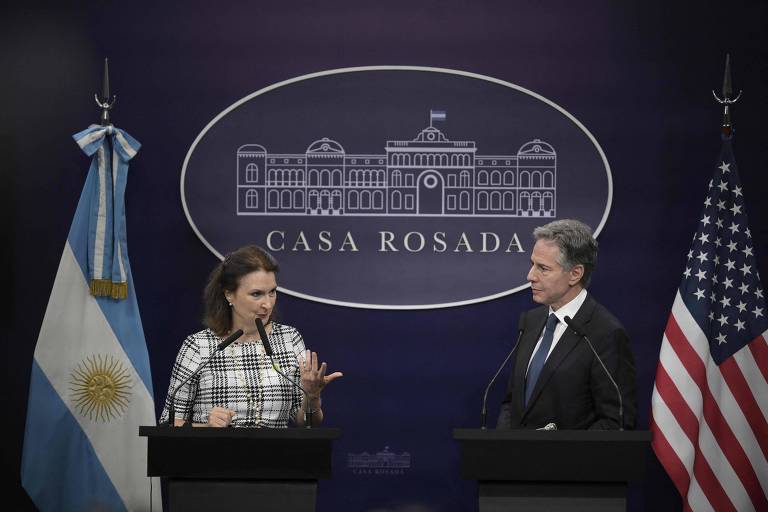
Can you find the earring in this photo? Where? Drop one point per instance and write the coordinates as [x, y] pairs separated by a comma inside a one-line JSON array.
[[230, 304]]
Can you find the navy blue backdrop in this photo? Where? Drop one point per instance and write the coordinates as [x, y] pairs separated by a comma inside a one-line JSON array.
[[637, 74]]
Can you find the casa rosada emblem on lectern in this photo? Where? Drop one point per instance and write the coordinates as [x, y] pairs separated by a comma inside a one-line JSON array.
[[393, 187]]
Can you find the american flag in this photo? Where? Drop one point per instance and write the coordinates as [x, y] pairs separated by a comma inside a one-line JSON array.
[[710, 397]]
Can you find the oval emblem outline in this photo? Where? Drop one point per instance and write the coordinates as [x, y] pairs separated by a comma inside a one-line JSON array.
[[338, 71]]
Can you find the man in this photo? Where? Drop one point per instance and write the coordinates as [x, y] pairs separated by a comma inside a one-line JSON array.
[[555, 376]]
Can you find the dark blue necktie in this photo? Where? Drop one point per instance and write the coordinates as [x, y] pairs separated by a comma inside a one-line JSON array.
[[540, 357]]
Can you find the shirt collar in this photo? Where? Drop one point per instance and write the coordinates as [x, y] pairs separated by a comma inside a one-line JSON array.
[[571, 308]]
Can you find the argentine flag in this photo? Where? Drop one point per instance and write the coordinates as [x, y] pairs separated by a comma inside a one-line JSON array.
[[91, 386], [437, 115]]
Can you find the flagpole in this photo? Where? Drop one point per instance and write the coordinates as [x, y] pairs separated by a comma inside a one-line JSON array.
[[727, 100], [105, 102]]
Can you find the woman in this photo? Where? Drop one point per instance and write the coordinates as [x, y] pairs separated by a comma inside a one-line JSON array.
[[240, 387]]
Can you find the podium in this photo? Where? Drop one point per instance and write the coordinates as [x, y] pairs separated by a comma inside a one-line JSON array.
[[243, 468], [556, 471]]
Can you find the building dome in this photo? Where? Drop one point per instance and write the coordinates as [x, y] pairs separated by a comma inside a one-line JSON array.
[[430, 134], [252, 148], [325, 145], [536, 147]]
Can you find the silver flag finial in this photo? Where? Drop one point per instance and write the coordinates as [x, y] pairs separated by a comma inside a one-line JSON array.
[[727, 100], [105, 102]]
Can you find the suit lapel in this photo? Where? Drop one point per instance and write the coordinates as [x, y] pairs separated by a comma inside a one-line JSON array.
[[537, 319], [565, 345]]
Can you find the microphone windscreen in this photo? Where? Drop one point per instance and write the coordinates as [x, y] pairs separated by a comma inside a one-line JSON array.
[[573, 324], [264, 337], [231, 338], [521, 321]]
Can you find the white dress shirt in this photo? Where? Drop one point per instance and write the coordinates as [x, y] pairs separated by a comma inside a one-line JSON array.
[[570, 310]]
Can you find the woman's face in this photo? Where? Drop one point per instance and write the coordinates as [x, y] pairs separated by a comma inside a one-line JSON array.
[[255, 297]]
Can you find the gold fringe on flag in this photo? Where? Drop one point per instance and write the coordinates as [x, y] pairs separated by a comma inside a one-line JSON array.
[[106, 288]]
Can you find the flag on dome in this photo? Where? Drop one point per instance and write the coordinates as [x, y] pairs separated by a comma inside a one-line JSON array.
[[436, 115]]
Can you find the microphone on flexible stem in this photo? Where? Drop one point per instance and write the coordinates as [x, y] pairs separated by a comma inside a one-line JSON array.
[[520, 330], [268, 351], [221, 346], [579, 329]]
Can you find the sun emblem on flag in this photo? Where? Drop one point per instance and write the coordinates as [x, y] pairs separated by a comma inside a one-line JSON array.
[[101, 388]]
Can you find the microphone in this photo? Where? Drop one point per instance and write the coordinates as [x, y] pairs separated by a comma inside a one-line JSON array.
[[229, 340], [276, 367], [264, 338], [520, 330], [221, 346], [579, 329]]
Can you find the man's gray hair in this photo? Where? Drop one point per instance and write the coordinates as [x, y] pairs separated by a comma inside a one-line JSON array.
[[576, 243]]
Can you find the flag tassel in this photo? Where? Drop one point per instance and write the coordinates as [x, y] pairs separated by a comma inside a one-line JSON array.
[[107, 288]]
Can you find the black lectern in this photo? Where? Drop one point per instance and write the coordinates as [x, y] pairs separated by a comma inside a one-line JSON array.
[[243, 468], [561, 470]]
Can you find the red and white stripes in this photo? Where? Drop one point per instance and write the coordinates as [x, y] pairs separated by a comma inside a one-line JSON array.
[[710, 422]]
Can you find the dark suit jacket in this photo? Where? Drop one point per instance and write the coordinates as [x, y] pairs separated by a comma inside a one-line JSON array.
[[573, 391]]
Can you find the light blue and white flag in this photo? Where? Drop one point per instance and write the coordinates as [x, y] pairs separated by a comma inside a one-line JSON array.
[[91, 386], [436, 115]]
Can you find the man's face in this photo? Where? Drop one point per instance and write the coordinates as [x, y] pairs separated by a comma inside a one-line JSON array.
[[551, 284]]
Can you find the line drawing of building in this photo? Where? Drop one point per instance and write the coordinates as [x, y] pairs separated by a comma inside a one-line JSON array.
[[429, 176], [379, 460]]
